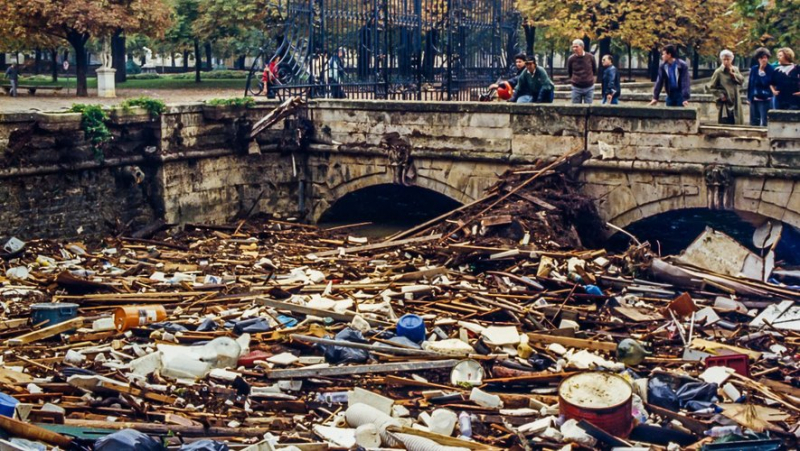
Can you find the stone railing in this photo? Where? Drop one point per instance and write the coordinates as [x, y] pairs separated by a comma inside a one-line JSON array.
[[194, 163]]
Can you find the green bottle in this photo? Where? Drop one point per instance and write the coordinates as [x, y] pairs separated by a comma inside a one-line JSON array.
[[631, 352]]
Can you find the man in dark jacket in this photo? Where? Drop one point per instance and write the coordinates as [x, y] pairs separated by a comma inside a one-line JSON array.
[[519, 65], [611, 85], [673, 76], [534, 86], [582, 70]]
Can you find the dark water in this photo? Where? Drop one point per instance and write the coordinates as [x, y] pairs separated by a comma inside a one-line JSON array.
[[390, 208], [673, 231], [393, 208]]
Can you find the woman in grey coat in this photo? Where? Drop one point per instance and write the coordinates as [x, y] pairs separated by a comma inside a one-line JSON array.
[[725, 84]]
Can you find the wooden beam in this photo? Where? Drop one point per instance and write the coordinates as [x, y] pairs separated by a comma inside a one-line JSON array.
[[360, 369], [346, 317], [569, 342], [47, 332], [372, 247]]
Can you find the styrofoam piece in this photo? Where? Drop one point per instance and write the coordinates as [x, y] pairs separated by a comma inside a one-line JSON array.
[[284, 358], [536, 427], [443, 421], [716, 374], [147, 365], [500, 336], [368, 436], [451, 346], [361, 396], [346, 438], [484, 399]]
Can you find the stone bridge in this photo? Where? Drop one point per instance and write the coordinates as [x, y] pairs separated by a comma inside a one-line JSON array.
[[194, 163], [645, 161]]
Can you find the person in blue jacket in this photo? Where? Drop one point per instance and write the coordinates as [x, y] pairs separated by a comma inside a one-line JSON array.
[[611, 85], [759, 93]]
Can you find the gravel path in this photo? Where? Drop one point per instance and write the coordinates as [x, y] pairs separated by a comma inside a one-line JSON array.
[[62, 100]]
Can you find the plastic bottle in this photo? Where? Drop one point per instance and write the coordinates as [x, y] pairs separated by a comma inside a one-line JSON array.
[[721, 431], [465, 424], [575, 277]]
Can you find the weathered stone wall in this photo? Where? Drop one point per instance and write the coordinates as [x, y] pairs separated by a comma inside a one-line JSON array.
[[198, 166], [52, 184]]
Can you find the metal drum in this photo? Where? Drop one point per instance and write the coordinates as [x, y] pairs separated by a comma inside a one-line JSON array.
[[602, 399]]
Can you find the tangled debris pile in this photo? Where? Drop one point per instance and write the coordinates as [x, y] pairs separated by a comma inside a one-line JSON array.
[[491, 327]]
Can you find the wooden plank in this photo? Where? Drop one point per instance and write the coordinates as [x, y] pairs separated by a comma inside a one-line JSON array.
[[573, 342], [47, 332], [443, 439], [360, 369], [346, 317], [372, 247], [496, 220]]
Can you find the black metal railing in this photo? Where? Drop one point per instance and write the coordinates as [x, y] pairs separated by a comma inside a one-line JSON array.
[[390, 49]]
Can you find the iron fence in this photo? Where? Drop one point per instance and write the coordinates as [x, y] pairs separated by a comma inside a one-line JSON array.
[[390, 49]]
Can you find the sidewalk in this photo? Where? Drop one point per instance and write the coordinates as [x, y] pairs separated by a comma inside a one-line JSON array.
[[51, 102]]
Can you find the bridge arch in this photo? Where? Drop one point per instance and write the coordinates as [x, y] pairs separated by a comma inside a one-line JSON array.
[[623, 199], [385, 178]]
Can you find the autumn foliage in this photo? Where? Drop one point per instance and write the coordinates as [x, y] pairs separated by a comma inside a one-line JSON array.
[[702, 25], [76, 21]]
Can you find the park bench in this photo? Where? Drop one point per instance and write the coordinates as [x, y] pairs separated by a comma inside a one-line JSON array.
[[32, 89]]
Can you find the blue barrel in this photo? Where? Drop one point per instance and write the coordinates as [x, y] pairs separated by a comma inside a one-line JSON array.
[[7, 405], [412, 327], [53, 313]]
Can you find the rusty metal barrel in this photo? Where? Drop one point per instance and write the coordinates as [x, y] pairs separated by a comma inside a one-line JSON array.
[[602, 399]]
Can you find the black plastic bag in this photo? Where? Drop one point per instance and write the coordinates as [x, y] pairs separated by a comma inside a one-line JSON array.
[[208, 325], [674, 393], [341, 354], [127, 440], [251, 326]]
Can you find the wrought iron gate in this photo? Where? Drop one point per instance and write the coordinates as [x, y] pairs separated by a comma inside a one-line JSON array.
[[391, 49]]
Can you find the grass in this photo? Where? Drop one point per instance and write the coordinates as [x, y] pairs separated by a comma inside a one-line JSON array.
[[161, 83]]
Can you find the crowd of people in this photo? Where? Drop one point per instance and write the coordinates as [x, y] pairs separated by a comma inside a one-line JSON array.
[[769, 86]]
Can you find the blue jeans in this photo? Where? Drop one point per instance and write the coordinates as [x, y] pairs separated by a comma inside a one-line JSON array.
[[614, 101], [525, 99], [545, 96], [758, 112], [582, 95], [675, 99]]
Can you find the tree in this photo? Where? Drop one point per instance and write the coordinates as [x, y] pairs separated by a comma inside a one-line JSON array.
[[703, 26], [773, 23], [78, 21], [236, 26]]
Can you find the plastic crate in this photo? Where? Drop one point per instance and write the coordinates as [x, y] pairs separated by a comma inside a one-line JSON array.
[[738, 362]]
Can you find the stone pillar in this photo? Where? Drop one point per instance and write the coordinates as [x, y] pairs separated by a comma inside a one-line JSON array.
[[105, 82]]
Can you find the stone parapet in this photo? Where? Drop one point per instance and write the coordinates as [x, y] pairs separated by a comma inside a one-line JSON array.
[[194, 163]]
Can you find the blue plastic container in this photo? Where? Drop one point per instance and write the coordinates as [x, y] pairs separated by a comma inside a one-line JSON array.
[[7, 405], [412, 327], [53, 313], [593, 289]]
